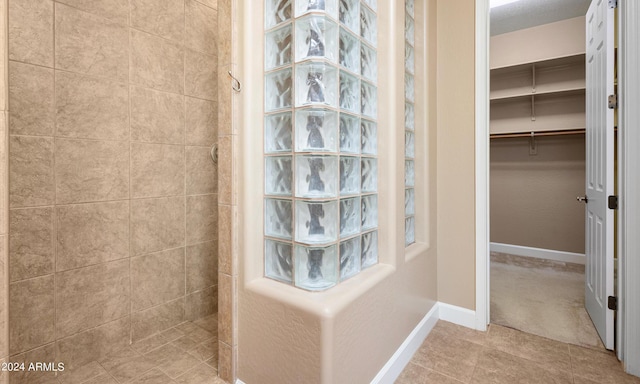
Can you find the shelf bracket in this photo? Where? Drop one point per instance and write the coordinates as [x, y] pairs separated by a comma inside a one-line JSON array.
[[533, 146], [533, 78], [533, 109]]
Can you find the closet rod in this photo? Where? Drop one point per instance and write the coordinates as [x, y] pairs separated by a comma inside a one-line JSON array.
[[538, 134]]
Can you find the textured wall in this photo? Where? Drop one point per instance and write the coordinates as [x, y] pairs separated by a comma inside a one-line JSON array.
[[113, 195], [533, 198], [456, 152]]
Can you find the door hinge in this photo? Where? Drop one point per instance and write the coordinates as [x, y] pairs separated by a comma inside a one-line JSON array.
[[612, 303], [613, 3], [613, 202], [613, 101]]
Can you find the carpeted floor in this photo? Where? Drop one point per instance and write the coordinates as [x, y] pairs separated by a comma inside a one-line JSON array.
[[541, 297]]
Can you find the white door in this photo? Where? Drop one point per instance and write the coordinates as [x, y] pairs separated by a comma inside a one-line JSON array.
[[599, 177]]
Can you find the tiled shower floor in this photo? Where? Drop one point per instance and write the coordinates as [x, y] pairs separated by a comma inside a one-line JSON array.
[[185, 354]]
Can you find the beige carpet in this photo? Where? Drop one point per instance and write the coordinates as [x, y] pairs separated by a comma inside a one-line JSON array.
[[541, 298]]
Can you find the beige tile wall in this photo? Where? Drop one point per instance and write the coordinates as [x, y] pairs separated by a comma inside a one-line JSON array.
[[228, 140], [4, 203], [113, 204]]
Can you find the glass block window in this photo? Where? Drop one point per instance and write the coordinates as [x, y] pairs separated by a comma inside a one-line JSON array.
[[409, 126], [320, 140]]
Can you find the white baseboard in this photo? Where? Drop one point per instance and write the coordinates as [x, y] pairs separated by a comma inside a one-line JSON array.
[[393, 368], [539, 253], [458, 315], [397, 363]]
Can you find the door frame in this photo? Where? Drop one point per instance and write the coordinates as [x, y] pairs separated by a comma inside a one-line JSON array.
[[629, 180]]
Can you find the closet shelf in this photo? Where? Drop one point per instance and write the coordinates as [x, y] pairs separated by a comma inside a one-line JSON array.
[[538, 134], [549, 91]]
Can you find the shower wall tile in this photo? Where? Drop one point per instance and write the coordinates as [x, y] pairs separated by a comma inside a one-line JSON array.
[[157, 278], [31, 243], [91, 108], [161, 17], [157, 117], [201, 126], [31, 31], [93, 344], [202, 177], [200, 76], [209, 3], [201, 303], [201, 266], [41, 354], [225, 308], [31, 100], [157, 224], [202, 218], [103, 176], [225, 169], [156, 63], [32, 313], [4, 298], [226, 369], [31, 181], [89, 44], [226, 218], [91, 296], [153, 320], [117, 10], [200, 27], [91, 234], [157, 170]]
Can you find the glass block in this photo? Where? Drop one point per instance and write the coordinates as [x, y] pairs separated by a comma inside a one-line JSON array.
[[409, 4], [369, 100], [316, 268], [369, 213], [276, 12], [349, 258], [409, 89], [278, 175], [349, 134], [278, 133], [409, 58], [369, 249], [329, 7], [278, 47], [316, 176], [316, 130], [372, 3], [349, 92], [349, 14], [368, 25], [316, 38], [409, 230], [369, 137], [278, 218], [409, 29], [316, 222], [409, 144], [409, 201], [316, 84], [409, 173], [278, 90], [349, 175], [409, 116], [369, 172], [278, 263], [368, 62], [349, 216], [349, 51]]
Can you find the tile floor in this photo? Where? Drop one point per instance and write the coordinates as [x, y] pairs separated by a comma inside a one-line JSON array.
[[185, 354], [454, 355]]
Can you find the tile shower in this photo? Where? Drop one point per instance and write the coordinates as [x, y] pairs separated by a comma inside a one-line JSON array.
[[113, 195], [320, 143]]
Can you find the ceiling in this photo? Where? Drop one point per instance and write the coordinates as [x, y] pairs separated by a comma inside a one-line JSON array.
[[530, 13]]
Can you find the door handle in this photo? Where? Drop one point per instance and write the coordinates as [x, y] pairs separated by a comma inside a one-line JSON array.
[[583, 199]]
